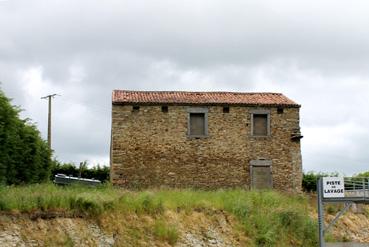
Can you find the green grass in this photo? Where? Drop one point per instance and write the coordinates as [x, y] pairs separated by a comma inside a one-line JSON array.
[[269, 218], [165, 232], [48, 197]]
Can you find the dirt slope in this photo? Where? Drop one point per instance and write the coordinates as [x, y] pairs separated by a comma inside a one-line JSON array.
[[194, 229], [352, 227], [201, 227]]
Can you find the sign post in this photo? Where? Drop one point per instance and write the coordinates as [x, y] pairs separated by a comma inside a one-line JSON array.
[[320, 212], [328, 188]]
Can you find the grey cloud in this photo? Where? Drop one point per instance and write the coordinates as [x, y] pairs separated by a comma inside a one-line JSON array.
[[194, 34], [315, 53]]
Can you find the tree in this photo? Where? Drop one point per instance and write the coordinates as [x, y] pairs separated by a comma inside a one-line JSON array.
[[24, 155]]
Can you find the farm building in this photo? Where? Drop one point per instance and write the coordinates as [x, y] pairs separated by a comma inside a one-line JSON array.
[[205, 140]]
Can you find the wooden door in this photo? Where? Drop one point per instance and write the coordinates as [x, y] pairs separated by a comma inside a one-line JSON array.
[[261, 177]]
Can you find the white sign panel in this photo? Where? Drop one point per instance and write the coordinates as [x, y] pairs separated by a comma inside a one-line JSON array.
[[333, 187]]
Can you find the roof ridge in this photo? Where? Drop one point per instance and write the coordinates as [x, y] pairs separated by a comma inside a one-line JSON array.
[[181, 91]]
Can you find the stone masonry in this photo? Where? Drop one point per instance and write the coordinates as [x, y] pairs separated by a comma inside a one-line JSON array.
[[151, 148]]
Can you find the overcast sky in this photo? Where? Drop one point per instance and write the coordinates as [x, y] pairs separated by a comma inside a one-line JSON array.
[[315, 52]]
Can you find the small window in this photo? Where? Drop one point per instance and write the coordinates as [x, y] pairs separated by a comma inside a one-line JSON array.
[[260, 125], [135, 108], [226, 109], [197, 124], [164, 108], [279, 110]]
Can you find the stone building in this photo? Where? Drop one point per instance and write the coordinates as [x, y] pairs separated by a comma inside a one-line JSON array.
[[205, 140]]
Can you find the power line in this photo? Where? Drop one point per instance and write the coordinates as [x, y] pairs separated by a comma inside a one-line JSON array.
[[49, 97]]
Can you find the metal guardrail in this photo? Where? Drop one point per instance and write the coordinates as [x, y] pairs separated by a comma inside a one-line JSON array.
[[62, 179], [356, 183]]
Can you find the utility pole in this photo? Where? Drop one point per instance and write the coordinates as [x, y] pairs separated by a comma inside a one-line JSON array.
[[49, 97]]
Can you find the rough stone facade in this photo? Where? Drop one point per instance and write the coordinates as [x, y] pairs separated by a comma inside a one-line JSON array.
[[151, 148]]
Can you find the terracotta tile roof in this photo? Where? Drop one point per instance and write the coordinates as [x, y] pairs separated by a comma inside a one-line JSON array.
[[201, 98]]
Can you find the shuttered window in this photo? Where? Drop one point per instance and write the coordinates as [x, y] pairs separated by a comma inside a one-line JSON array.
[[260, 124], [197, 124]]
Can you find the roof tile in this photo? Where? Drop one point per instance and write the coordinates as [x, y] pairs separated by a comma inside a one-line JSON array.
[[201, 98]]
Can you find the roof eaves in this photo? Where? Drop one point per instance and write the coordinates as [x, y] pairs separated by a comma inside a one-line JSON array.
[[204, 104]]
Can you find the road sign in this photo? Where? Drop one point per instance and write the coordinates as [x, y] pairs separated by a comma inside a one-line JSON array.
[[333, 187]]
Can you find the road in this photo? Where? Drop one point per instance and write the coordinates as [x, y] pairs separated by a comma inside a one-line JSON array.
[[347, 245]]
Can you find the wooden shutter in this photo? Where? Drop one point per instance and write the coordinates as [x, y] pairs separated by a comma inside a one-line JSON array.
[[260, 125], [197, 124], [261, 177]]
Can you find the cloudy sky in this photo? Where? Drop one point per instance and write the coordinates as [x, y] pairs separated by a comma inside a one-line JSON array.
[[315, 52]]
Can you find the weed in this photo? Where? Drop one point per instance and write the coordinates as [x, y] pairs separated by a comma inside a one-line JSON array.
[[289, 218], [150, 206], [165, 232], [68, 241], [265, 239], [332, 209], [346, 238], [3, 205]]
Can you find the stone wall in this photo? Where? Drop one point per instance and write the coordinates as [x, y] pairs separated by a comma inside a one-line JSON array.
[[150, 148]]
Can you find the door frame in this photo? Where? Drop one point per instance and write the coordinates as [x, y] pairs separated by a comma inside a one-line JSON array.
[[261, 163]]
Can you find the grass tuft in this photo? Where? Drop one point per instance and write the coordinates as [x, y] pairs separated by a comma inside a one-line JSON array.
[[165, 232]]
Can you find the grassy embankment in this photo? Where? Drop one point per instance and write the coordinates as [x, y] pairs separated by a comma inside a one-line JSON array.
[[264, 218]]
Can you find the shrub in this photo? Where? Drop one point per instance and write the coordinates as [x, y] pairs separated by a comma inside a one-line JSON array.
[[362, 175], [309, 180]]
